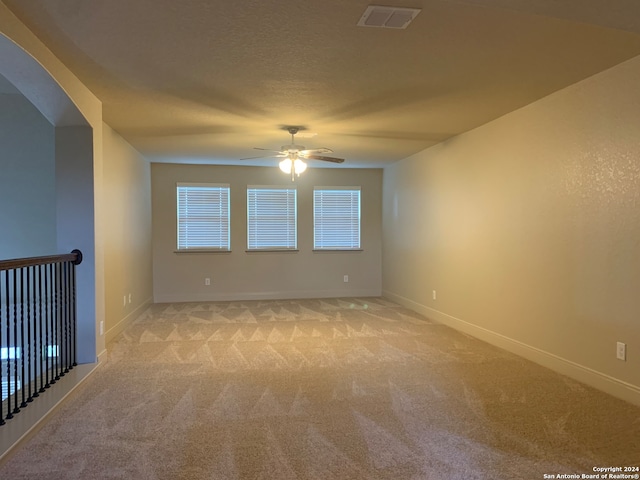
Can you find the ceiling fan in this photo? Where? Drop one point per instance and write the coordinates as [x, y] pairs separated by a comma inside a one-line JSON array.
[[294, 155]]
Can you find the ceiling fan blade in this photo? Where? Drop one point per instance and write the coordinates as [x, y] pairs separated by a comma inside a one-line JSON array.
[[264, 156], [275, 154], [316, 150], [268, 150], [325, 159]]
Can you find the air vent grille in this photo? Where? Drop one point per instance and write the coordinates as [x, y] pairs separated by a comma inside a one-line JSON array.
[[387, 17]]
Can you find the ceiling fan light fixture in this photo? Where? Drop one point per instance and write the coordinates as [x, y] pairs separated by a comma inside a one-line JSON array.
[[285, 165], [299, 166]]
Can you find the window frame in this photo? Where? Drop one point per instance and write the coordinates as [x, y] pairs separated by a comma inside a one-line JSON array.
[[255, 245], [324, 246], [225, 215]]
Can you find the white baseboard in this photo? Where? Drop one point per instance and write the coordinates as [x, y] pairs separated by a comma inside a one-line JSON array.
[[284, 295], [593, 378], [102, 357], [126, 321]]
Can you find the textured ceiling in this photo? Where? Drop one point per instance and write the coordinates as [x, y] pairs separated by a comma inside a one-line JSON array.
[[204, 81]]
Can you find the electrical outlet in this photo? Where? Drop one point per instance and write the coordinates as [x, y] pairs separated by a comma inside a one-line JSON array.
[[346, 279], [207, 281], [101, 327], [434, 294], [621, 351], [129, 298]]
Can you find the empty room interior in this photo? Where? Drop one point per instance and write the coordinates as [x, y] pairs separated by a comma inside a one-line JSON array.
[[319, 240]]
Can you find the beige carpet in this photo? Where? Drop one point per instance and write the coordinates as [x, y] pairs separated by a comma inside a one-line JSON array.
[[321, 389]]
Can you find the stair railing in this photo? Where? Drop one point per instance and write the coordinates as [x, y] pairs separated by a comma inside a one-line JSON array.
[[38, 327]]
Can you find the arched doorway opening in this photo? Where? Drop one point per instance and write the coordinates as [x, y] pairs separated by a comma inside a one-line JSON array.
[[47, 169]]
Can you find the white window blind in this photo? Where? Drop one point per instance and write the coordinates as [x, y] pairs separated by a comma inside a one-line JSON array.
[[271, 218], [336, 218], [203, 216]]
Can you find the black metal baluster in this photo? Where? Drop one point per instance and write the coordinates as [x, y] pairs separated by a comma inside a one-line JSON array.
[[16, 409], [63, 333], [8, 315], [58, 323], [34, 338], [63, 338], [43, 326], [54, 329], [69, 321], [2, 422], [67, 336], [38, 312], [26, 381], [33, 385], [74, 312], [22, 361], [47, 322], [34, 327], [54, 324], [58, 341]]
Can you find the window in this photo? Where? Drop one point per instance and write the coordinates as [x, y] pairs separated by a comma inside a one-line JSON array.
[[336, 218], [203, 216], [271, 218]]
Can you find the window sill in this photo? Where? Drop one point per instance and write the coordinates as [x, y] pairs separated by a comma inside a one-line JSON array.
[[337, 250], [202, 250], [273, 250]]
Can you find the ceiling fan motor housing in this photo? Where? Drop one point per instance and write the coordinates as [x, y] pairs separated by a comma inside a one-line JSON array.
[[292, 148]]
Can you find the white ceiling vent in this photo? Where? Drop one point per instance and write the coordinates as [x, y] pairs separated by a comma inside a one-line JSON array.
[[387, 17]]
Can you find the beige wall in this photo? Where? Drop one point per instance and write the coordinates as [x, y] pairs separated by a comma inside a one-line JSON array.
[[242, 275], [127, 236], [528, 228]]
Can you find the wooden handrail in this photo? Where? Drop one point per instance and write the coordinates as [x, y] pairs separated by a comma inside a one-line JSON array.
[[75, 257]]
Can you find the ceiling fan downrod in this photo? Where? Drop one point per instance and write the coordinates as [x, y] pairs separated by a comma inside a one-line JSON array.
[[293, 131]]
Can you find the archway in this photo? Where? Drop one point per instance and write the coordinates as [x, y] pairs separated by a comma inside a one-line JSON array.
[[72, 186]]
